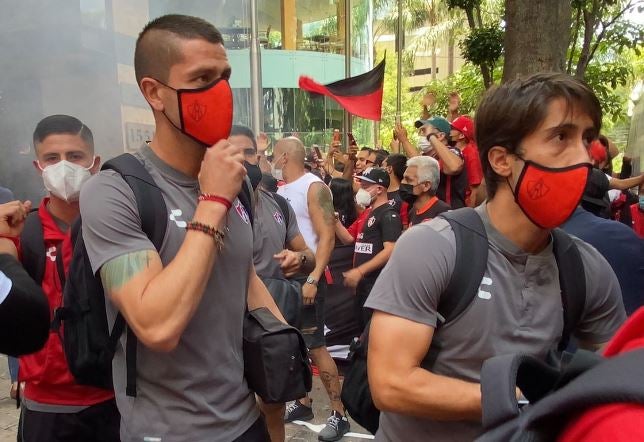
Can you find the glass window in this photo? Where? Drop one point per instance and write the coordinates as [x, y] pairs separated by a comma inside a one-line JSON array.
[[93, 13]]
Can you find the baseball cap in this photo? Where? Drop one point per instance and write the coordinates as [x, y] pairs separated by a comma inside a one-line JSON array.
[[440, 123], [596, 187], [464, 125], [377, 175]]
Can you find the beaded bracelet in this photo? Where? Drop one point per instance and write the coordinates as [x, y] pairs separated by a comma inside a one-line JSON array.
[[216, 199], [216, 234]]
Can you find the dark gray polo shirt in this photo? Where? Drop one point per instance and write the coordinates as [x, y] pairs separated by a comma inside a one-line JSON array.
[[197, 392], [518, 310], [271, 234]]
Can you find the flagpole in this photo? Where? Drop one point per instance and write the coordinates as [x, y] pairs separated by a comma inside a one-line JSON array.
[[399, 49], [256, 104], [347, 65]]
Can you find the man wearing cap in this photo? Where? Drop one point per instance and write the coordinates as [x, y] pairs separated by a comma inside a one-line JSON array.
[[453, 180], [462, 134], [376, 240]]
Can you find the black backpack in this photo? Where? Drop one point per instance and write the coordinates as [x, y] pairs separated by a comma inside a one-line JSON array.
[[556, 395], [89, 345], [471, 259]]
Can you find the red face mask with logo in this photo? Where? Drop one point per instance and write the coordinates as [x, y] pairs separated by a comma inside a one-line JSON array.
[[206, 113], [548, 196]]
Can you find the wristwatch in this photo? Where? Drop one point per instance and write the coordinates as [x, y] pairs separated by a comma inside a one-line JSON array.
[[311, 280]]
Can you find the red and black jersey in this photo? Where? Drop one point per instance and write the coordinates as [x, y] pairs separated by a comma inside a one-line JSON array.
[[432, 209], [382, 225], [452, 187], [46, 373], [399, 206]]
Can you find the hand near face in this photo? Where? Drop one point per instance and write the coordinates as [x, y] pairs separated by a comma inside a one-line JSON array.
[[12, 217], [222, 170], [262, 142]]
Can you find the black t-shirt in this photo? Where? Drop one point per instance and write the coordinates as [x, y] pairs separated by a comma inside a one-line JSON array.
[[399, 206], [432, 209], [452, 187], [383, 225]]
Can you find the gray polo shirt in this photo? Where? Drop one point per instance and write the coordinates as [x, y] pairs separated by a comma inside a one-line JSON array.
[[197, 392], [271, 234], [518, 310]]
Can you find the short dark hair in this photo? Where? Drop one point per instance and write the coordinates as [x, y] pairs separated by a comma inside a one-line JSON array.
[[381, 155], [510, 112], [398, 164], [238, 129], [156, 49], [368, 149], [62, 124]]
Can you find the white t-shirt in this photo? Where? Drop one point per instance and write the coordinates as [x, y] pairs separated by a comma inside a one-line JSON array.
[[297, 195]]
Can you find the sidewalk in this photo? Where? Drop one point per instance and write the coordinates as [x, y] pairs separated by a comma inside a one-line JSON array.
[[294, 433], [8, 411]]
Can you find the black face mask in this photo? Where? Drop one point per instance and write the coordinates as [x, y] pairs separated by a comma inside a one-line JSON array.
[[254, 174], [407, 193]]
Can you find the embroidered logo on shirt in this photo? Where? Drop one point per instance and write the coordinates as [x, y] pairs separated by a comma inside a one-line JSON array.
[[278, 218], [363, 247], [51, 253], [392, 202], [371, 221], [175, 214], [483, 294], [241, 211]]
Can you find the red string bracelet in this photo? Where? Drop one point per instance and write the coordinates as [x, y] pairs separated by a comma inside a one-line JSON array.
[[216, 199]]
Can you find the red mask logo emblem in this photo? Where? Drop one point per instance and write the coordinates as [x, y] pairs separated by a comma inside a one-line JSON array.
[[548, 196]]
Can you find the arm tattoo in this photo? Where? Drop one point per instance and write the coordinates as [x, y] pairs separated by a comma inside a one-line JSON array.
[[326, 203], [120, 270]]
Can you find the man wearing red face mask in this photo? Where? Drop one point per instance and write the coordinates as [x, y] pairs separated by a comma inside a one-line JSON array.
[[533, 135], [185, 302]]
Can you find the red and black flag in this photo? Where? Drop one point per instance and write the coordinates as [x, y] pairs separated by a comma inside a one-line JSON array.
[[360, 95]]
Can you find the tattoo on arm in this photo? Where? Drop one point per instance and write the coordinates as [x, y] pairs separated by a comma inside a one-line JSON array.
[[326, 203], [120, 270]]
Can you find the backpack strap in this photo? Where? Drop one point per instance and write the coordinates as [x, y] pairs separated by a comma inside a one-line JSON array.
[[246, 198], [283, 205], [469, 269], [471, 260], [149, 200], [32, 245], [154, 220], [572, 280]]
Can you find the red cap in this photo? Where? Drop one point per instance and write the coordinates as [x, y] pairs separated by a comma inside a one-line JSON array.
[[464, 125], [597, 151]]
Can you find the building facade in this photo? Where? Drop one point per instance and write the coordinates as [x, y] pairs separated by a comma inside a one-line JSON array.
[[76, 57]]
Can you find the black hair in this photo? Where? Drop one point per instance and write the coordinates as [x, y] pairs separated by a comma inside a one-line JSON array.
[[370, 150], [62, 124], [268, 183], [514, 110], [381, 155], [238, 129], [343, 203], [156, 49], [398, 164]]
